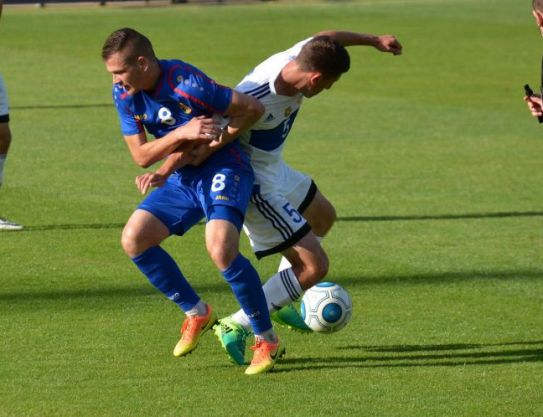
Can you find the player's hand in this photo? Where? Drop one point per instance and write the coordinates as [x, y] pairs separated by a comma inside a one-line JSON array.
[[200, 128], [150, 179], [534, 104], [389, 43]]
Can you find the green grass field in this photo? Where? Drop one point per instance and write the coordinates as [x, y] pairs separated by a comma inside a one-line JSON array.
[[431, 159]]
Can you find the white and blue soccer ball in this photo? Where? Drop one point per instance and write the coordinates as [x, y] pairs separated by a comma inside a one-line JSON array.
[[326, 307]]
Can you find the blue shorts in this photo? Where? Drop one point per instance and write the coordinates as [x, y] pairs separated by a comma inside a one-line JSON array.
[[220, 192]]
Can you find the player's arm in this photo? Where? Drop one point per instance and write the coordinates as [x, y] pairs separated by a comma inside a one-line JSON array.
[[145, 153], [178, 159], [243, 112], [384, 43]]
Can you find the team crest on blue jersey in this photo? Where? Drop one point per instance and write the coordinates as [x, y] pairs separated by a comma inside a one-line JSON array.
[[186, 109]]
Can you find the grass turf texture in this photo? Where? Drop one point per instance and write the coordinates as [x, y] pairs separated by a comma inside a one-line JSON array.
[[431, 159]]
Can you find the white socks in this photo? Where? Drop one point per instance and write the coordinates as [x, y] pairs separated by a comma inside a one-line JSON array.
[[281, 289]]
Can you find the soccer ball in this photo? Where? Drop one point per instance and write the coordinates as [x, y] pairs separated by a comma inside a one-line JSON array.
[[326, 307]]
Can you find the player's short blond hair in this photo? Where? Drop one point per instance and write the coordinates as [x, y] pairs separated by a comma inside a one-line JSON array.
[[538, 5]]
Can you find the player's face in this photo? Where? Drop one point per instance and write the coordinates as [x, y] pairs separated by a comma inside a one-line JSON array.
[[129, 76], [317, 83]]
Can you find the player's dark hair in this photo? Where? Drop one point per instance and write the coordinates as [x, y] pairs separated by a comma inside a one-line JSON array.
[[537, 5], [130, 40], [325, 55]]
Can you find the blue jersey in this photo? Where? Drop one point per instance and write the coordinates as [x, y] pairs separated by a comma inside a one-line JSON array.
[[224, 179], [182, 93]]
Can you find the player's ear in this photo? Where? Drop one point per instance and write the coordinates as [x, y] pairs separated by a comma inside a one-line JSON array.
[[142, 63], [315, 78]]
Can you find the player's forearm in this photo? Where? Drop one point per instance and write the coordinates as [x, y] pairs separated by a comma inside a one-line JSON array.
[[151, 152], [351, 38], [242, 116], [172, 163], [148, 153]]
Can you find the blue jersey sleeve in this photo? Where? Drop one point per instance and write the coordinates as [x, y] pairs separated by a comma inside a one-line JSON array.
[[204, 94], [130, 125]]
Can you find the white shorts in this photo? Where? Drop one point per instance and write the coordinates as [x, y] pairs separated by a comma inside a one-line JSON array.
[[273, 221], [4, 111]]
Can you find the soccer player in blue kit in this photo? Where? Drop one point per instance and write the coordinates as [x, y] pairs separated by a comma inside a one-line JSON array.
[[175, 102]]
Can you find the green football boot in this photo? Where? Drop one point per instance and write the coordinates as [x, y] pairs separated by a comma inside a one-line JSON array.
[[233, 339], [289, 316]]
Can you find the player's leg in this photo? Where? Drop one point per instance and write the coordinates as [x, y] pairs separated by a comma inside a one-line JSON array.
[[161, 214], [222, 241], [5, 140], [308, 265], [319, 212], [5, 133], [273, 225], [225, 203]]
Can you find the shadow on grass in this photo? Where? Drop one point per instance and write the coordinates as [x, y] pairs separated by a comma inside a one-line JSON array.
[[61, 106], [446, 355], [461, 216], [47, 227], [440, 278], [144, 289], [464, 216], [102, 295]]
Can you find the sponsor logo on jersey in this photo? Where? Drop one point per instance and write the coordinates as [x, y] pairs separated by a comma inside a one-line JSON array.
[[288, 111], [222, 197], [186, 109], [270, 118]]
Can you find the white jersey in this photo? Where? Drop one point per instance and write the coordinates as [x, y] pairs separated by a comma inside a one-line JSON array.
[[264, 142], [273, 221]]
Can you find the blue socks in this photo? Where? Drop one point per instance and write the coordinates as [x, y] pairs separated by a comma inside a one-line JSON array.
[[247, 288], [162, 271]]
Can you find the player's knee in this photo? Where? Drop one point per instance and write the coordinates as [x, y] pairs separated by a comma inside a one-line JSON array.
[[222, 254], [319, 269], [313, 272], [131, 242]]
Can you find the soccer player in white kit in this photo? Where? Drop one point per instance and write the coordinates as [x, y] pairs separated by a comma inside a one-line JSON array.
[[5, 140], [288, 214]]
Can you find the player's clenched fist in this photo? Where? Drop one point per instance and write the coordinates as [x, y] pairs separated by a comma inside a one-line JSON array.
[[388, 43], [534, 104]]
